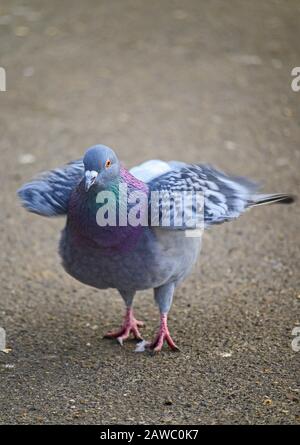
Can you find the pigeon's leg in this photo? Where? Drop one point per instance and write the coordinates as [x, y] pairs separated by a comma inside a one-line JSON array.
[[130, 324], [163, 296]]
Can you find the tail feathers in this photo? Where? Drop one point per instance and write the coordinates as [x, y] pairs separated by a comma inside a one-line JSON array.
[[263, 199]]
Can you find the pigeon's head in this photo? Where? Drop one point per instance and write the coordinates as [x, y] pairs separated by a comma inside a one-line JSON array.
[[101, 166]]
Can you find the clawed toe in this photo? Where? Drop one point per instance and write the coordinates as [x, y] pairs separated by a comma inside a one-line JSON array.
[[162, 337], [113, 334], [122, 335], [130, 326], [157, 344]]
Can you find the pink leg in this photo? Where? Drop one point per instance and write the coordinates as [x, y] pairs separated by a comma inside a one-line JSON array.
[[130, 325], [162, 336]]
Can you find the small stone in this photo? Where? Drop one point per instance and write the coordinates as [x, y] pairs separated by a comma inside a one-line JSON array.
[[26, 158], [6, 350], [230, 145], [39, 419], [225, 354], [168, 402], [268, 402], [9, 366]]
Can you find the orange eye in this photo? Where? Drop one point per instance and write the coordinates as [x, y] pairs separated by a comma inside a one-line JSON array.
[[108, 163]]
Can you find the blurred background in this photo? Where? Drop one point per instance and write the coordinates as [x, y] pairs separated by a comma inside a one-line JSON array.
[[197, 81]]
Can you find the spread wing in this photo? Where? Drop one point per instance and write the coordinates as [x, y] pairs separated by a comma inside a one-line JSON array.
[[48, 194], [224, 197]]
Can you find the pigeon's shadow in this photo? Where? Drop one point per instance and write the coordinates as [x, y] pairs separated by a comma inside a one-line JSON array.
[[54, 341]]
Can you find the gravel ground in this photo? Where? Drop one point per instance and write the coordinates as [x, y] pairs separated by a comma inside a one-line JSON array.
[[195, 81]]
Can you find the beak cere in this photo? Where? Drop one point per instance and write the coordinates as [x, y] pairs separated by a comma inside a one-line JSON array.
[[90, 178]]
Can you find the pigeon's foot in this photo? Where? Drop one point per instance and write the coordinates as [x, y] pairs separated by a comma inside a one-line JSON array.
[[162, 336], [130, 325]]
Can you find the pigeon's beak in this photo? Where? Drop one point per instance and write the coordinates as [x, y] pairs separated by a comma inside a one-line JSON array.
[[90, 178]]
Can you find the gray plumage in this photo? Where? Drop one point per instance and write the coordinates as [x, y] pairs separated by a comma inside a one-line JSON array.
[[48, 194], [158, 258]]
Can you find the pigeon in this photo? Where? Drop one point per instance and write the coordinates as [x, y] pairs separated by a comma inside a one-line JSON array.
[[101, 247]]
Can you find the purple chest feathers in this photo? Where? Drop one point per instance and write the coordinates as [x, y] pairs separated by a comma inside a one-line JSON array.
[[109, 220]]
